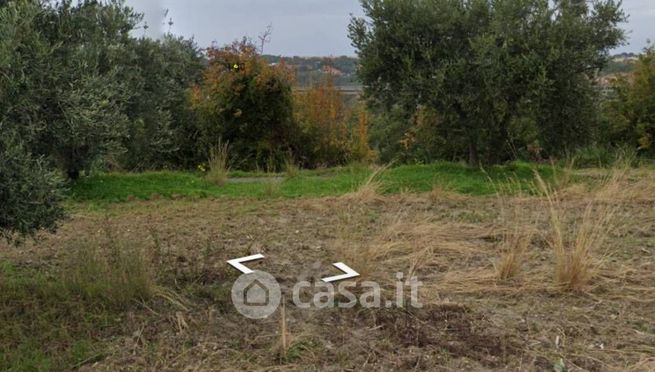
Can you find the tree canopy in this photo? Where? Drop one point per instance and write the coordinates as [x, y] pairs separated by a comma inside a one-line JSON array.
[[247, 102], [496, 75], [78, 90], [630, 113]]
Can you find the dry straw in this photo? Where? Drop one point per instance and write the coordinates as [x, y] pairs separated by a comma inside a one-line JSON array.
[[577, 247], [218, 163]]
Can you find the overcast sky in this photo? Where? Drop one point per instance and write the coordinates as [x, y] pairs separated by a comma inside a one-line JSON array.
[[306, 27]]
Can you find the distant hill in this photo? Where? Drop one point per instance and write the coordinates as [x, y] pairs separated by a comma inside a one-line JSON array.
[[311, 70], [620, 63]]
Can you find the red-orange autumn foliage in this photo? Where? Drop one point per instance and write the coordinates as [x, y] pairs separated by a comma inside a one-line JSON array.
[[247, 102], [337, 134]]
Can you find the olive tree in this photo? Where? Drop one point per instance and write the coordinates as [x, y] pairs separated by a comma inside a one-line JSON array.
[[497, 73], [30, 191], [87, 83]]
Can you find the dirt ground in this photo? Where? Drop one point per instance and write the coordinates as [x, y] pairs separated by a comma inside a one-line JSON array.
[[470, 320]]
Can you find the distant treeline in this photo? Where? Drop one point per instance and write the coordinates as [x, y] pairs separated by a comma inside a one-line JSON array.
[[618, 66], [312, 70]]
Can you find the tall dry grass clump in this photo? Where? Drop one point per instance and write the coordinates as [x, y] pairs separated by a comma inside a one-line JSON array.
[[112, 273], [440, 192], [291, 168], [218, 163], [271, 187], [115, 273], [577, 250], [272, 184], [514, 246], [563, 176], [371, 188], [284, 332], [516, 232]]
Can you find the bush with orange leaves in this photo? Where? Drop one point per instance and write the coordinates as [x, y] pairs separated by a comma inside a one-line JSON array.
[[247, 103], [334, 132]]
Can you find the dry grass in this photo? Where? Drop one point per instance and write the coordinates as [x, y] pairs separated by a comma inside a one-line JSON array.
[[349, 245], [113, 272], [291, 168], [218, 163], [451, 246], [116, 272], [562, 176], [439, 193], [284, 331], [402, 243], [639, 187], [514, 247], [645, 365], [516, 233], [577, 250], [272, 185], [370, 189], [573, 191]]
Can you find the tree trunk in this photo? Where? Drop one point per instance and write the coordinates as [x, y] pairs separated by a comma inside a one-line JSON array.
[[73, 174], [474, 161]]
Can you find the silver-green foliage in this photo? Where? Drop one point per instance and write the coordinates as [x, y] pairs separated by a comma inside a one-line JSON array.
[[29, 190], [30, 193], [493, 76], [61, 101]]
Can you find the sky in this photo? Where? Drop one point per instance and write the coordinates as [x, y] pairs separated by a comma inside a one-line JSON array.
[[305, 27]]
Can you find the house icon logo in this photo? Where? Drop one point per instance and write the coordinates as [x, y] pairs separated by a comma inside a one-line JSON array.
[[256, 295]]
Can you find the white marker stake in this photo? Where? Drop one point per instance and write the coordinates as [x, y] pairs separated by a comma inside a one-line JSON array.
[[349, 273], [236, 263]]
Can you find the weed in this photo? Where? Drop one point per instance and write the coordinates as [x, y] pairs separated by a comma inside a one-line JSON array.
[[271, 185], [575, 250], [370, 189], [112, 274], [563, 176], [291, 168], [604, 157], [515, 237], [218, 163], [55, 321], [284, 340], [437, 193], [513, 247]]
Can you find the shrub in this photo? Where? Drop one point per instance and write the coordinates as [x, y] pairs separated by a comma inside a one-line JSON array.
[[247, 102], [630, 115], [333, 133], [30, 193]]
